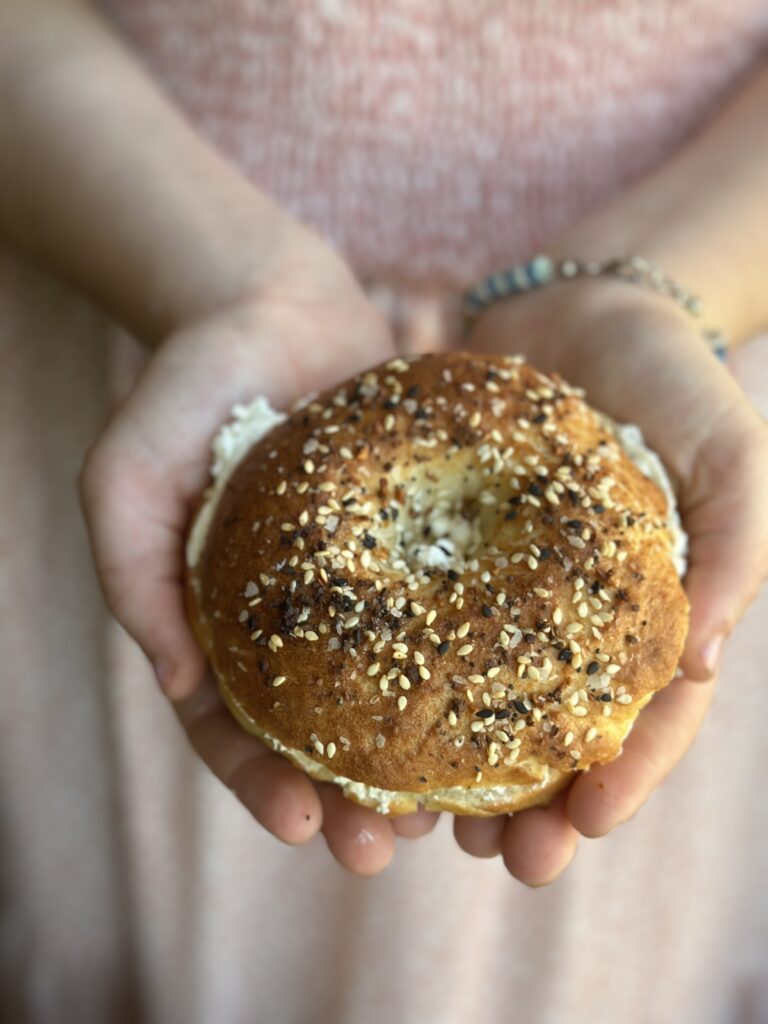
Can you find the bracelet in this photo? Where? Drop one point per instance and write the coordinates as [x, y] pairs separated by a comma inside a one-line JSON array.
[[543, 270]]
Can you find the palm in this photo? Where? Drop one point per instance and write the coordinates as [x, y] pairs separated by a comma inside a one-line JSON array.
[[643, 362], [139, 488]]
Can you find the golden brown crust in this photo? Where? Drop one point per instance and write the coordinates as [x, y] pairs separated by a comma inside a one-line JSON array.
[[556, 616]]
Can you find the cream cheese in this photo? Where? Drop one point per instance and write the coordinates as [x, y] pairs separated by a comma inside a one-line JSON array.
[[631, 439], [248, 424], [382, 799]]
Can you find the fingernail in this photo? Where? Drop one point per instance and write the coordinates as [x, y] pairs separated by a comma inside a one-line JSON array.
[[710, 653], [163, 671]]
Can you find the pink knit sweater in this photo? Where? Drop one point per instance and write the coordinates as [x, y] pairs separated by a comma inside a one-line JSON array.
[[435, 142]]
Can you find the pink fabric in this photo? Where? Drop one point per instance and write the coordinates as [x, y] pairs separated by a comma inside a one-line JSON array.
[[435, 142], [432, 142]]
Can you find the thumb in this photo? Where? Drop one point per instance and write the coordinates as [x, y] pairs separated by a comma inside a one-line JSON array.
[[136, 526], [728, 534]]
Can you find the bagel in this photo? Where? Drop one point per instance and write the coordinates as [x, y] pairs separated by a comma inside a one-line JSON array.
[[444, 583]]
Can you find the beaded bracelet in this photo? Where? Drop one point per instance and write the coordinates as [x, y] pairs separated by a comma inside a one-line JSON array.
[[543, 270]]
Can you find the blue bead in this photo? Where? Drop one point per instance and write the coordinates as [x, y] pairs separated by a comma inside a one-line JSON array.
[[541, 270], [512, 286], [522, 280], [500, 284]]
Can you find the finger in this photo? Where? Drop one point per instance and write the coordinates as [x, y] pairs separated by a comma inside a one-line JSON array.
[[480, 837], [360, 839], [413, 826], [133, 518], [280, 797], [539, 844], [607, 795], [728, 556]]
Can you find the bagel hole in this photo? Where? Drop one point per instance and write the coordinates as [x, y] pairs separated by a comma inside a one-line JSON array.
[[447, 526]]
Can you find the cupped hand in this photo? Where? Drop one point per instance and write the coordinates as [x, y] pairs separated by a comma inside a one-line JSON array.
[[303, 327], [642, 360]]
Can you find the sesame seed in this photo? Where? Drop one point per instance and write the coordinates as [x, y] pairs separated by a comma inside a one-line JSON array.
[[373, 669], [310, 634], [431, 616], [281, 487], [275, 642], [624, 698], [380, 740], [424, 672], [402, 702], [568, 739], [278, 680], [557, 616], [464, 650], [452, 719], [478, 726], [591, 733], [474, 419], [462, 631], [404, 681], [580, 711]]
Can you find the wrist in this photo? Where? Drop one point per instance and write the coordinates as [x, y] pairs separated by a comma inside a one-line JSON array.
[[222, 251], [698, 258], [560, 322]]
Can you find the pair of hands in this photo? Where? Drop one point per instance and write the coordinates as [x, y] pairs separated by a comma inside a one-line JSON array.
[[305, 326]]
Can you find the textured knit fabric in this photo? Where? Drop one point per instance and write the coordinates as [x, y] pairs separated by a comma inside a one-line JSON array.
[[431, 142], [435, 141]]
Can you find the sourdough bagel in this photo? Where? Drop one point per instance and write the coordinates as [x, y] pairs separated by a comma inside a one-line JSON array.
[[442, 583]]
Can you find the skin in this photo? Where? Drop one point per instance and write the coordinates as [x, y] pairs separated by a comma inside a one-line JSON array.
[[612, 341], [115, 192]]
